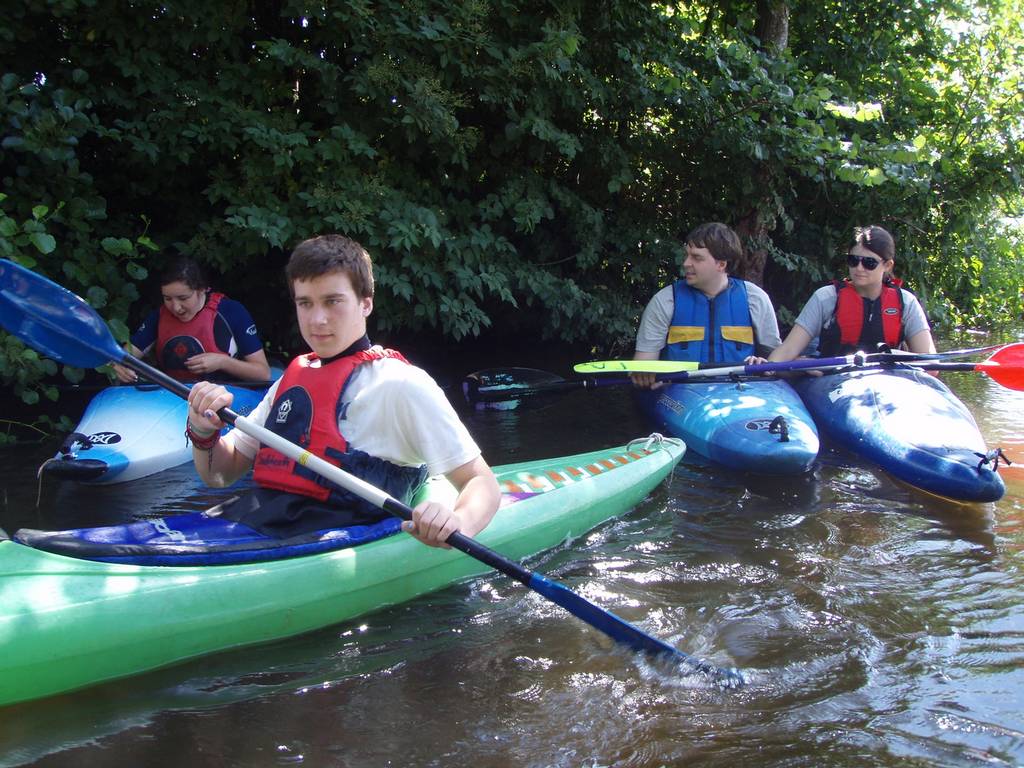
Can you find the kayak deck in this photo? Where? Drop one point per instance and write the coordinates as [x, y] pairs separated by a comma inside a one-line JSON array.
[[129, 432], [750, 426], [908, 423], [66, 623]]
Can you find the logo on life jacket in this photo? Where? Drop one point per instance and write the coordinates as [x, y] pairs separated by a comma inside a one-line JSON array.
[[294, 416], [283, 410], [178, 350]]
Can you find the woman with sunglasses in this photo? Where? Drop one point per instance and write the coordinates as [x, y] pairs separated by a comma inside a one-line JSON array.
[[197, 333], [867, 309]]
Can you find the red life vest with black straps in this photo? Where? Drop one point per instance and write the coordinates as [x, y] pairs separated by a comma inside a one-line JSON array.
[[855, 327], [176, 341], [305, 411]]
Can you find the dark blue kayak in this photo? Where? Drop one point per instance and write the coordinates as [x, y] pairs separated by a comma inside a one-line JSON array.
[[758, 426], [908, 423]]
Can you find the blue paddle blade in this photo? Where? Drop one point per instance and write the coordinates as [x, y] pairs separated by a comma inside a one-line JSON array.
[[52, 320]]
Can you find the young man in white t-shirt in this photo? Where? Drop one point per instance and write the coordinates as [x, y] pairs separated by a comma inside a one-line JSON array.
[[359, 406]]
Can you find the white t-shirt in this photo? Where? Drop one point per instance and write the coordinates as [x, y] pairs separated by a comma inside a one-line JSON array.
[[657, 317], [818, 313], [394, 411]]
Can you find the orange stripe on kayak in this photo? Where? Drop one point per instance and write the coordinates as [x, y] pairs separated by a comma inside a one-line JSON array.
[[508, 486], [555, 476], [593, 469], [607, 464], [573, 472], [535, 482]]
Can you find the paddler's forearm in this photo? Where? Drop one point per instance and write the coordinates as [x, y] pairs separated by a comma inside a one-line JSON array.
[[476, 507], [252, 368], [222, 464], [478, 498]]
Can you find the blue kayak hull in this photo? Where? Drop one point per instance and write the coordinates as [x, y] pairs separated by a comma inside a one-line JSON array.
[[751, 426], [129, 432], [908, 423]]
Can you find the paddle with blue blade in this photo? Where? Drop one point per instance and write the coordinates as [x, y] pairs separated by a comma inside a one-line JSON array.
[[60, 325]]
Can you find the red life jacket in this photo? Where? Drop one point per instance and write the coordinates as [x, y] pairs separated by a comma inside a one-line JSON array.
[[305, 411], [852, 330], [176, 341]]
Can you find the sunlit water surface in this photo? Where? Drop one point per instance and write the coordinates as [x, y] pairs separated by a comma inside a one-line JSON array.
[[874, 626]]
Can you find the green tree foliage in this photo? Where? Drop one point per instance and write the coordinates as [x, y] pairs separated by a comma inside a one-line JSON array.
[[525, 167]]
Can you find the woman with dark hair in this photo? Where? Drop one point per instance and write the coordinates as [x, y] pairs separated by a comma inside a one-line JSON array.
[[198, 333], [867, 309]]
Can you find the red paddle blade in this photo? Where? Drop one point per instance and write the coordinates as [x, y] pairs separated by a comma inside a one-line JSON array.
[[1010, 355], [1010, 376]]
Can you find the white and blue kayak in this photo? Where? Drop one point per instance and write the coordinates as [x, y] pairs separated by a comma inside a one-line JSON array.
[[132, 431], [758, 426], [908, 423]]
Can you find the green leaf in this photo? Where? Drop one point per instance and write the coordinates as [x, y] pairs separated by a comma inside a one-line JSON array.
[[73, 375], [117, 246], [136, 271], [147, 243], [97, 297], [43, 242], [119, 329]]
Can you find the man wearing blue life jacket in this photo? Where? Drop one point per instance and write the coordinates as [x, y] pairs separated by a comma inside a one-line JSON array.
[[707, 316]]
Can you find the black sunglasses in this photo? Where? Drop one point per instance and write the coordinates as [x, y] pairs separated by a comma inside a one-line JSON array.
[[868, 262]]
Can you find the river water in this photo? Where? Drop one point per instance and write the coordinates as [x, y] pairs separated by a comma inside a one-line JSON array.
[[874, 626]]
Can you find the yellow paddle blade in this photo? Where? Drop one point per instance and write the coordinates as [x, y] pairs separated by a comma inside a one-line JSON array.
[[635, 366]]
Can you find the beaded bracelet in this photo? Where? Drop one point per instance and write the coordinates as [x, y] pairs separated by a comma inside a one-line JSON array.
[[202, 442]]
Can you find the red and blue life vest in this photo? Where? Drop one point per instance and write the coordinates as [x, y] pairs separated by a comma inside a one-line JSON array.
[[176, 341], [703, 330], [862, 324], [305, 411]]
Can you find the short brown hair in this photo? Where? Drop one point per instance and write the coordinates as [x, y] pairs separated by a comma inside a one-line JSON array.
[[719, 239], [331, 253]]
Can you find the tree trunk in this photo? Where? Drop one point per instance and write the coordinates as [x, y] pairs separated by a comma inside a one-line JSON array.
[[773, 25], [773, 31], [752, 227]]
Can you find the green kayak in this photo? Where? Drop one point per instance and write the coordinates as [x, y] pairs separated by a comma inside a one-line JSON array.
[[67, 622]]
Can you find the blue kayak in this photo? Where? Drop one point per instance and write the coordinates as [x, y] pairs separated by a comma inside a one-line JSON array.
[[908, 423], [128, 432], [756, 426]]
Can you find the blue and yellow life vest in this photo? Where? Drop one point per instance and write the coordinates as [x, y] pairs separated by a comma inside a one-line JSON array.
[[706, 330]]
